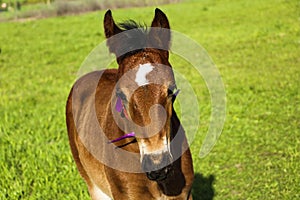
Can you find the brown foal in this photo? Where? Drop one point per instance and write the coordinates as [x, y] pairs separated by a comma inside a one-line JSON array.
[[125, 136]]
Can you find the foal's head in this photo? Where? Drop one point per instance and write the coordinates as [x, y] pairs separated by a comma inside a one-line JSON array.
[[145, 86]]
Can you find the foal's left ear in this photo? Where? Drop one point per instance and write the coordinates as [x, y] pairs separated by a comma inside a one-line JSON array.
[[110, 27], [160, 34]]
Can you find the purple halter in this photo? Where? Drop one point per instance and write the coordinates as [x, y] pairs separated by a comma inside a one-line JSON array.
[[121, 109]]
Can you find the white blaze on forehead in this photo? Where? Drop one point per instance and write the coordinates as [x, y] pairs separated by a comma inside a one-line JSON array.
[[141, 74]]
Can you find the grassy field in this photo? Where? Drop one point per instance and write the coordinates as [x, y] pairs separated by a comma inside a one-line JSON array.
[[255, 45]]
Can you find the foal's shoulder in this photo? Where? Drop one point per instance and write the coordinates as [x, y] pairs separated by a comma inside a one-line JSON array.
[[86, 85]]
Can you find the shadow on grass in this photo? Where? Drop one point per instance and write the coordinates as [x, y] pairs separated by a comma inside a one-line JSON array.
[[203, 187]]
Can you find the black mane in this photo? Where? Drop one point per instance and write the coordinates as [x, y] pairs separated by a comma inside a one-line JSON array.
[[131, 24], [134, 37]]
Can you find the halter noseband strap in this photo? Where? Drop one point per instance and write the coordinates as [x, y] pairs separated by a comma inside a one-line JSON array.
[[128, 135]]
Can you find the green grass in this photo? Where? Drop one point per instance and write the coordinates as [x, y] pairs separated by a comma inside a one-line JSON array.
[[255, 45], [42, 9]]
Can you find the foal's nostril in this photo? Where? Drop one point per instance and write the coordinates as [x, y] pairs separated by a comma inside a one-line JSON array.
[[156, 166], [158, 175], [154, 175]]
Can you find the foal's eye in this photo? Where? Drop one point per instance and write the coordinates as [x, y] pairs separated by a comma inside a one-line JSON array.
[[121, 95], [170, 92]]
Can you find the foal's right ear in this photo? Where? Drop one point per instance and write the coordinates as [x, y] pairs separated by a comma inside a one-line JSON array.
[[110, 27], [160, 34]]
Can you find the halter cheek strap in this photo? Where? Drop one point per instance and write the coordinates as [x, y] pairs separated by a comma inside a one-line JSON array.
[[121, 108], [176, 93], [119, 105]]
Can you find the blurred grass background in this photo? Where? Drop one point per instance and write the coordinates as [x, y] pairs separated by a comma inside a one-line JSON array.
[[255, 45], [33, 9]]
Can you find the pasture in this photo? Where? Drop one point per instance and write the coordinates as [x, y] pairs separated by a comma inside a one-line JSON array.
[[255, 45]]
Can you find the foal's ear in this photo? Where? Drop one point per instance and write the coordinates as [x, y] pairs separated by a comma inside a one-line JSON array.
[[110, 27], [160, 34], [160, 19]]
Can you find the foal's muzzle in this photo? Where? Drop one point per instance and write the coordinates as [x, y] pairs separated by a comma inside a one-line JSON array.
[[157, 166]]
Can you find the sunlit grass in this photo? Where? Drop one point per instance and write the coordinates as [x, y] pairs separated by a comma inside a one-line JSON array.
[[255, 45]]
